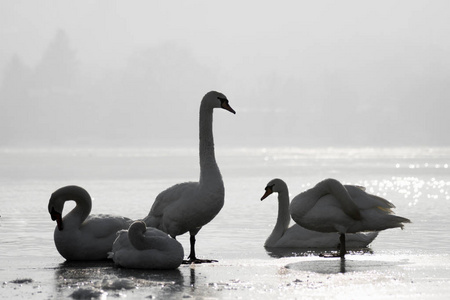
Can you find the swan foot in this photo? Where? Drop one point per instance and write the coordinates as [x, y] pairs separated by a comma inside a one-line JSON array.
[[329, 255], [198, 261], [192, 257], [342, 249]]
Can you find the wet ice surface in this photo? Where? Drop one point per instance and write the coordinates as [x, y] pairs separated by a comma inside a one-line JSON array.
[[359, 276], [413, 263]]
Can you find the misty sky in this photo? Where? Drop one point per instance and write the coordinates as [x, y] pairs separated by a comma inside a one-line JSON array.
[[299, 72]]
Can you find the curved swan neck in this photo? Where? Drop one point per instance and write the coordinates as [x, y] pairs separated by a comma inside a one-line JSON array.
[[334, 187], [82, 199], [208, 164]]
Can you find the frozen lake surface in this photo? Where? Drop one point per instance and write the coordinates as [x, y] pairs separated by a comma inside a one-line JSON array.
[[413, 263]]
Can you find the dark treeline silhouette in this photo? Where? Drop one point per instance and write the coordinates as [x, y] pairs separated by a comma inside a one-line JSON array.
[[153, 100]]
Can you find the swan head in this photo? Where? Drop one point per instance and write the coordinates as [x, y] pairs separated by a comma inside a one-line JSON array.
[[136, 236], [56, 216], [138, 227], [215, 99], [274, 186], [57, 199]]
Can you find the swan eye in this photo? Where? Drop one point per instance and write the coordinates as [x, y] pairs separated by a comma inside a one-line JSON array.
[[224, 104], [222, 100], [270, 188]]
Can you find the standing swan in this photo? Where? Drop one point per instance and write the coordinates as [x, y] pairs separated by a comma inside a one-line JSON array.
[[190, 205], [332, 207], [142, 247], [79, 236], [296, 236]]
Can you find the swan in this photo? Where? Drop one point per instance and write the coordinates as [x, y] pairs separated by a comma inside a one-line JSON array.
[[332, 207], [142, 247], [188, 206], [297, 236], [78, 235]]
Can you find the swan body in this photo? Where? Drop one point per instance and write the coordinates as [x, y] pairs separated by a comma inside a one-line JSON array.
[[142, 247], [332, 207], [297, 236], [187, 207], [78, 235]]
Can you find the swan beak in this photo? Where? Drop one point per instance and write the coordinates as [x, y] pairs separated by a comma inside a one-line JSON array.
[[56, 216], [267, 193], [227, 106]]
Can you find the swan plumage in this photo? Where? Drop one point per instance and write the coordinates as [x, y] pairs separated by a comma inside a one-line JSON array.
[[330, 206], [78, 235], [187, 207], [142, 247], [297, 236]]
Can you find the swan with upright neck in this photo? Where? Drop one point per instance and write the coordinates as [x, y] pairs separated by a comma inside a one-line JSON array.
[[332, 207], [296, 236], [142, 247], [78, 235], [187, 207]]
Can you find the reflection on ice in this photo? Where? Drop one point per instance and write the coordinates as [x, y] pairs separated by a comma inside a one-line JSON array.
[[92, 279], [299, 252], [337, 265]]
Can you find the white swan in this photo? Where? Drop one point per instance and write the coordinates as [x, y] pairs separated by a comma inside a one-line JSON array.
[[296, 236], [332, 207], [79, 236], [189, 206], [142, 247]]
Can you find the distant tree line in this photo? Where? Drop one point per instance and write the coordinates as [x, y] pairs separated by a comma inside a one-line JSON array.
[[154, 99]]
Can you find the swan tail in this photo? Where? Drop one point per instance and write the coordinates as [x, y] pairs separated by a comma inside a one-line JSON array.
[[402, 220], [386, 209], [391, 221], [383, 202]]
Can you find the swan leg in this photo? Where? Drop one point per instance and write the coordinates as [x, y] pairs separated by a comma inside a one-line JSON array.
[[192, 254], [192, 258], [342, 242]]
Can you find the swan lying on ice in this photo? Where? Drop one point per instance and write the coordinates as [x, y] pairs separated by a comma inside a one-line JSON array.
[[142, 247]]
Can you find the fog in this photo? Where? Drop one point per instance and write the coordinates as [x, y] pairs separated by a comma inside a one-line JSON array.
[[300, 73]]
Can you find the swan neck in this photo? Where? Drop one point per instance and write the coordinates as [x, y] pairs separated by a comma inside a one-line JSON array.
[[283, 210], [82, 209], [208, 164], [283, 219], [335, 188]]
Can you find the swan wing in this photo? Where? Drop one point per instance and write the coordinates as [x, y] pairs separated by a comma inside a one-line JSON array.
[[365, 200], [170, 196], [102, 226]]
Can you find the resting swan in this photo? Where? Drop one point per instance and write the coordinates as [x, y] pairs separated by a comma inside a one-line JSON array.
[[296, 236], [332, 207], [187, 207], [79, 236], [142, 247]]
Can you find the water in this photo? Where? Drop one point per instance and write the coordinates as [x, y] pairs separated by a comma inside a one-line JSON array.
[[409, 263]]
